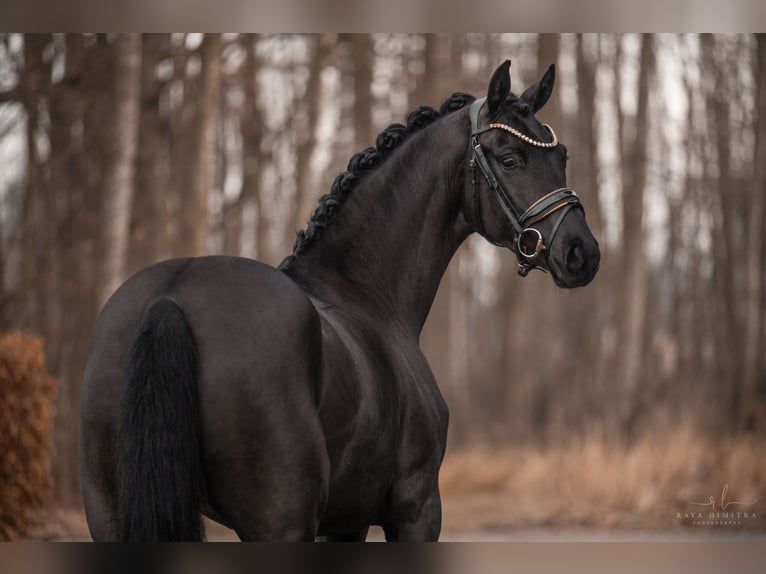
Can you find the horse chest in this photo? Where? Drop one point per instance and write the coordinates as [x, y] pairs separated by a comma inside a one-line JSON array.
[[382, 415]]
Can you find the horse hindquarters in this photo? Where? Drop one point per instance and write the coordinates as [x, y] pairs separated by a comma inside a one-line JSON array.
[[266, 460], [244, 415], [161, 488]]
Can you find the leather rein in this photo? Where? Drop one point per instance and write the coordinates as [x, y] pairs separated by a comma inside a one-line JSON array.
[[560, 200]]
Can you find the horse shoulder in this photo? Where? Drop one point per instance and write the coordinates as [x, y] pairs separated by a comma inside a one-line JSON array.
[[425, 413]]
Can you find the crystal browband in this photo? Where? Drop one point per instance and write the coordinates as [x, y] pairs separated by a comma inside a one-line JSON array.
[[528, 139]]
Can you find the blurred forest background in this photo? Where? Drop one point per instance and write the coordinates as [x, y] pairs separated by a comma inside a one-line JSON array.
[[118, 151]]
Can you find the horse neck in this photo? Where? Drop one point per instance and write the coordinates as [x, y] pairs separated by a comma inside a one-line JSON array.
[[392, 240]]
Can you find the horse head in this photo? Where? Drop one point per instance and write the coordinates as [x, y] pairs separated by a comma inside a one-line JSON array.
[[517, 196]]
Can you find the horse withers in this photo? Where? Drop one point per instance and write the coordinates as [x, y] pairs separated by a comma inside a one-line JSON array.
[[295, 403]]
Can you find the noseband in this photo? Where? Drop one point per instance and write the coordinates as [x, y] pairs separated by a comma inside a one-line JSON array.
[[559, 200]]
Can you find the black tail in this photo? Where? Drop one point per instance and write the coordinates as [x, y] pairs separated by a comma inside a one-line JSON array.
[[160, 468]]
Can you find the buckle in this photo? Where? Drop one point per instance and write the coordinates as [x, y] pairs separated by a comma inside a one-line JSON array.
[[530, 243], [524, 268]]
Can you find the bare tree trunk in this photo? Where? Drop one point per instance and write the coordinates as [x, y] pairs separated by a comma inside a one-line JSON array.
[[251, 126], [362, 58], [195, 177], [121, 138], [548, 46], [634, 269], [755, 255], [599, 316], [255, 157], [617, 86], [696, 294], [148, 233], [456, 50], [609, 361], [304, 200], [77, 167], [587, 128], [578, 322], [33, 285], [183, 110], [425, 85], [725, 219]]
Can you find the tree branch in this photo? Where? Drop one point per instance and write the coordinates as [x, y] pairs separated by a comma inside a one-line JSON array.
[[12, 95]]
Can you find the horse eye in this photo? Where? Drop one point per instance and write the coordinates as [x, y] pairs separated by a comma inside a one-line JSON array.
[[509, 162]]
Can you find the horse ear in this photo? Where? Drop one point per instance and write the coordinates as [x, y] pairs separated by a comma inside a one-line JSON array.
[[537, 94], [499, 87]]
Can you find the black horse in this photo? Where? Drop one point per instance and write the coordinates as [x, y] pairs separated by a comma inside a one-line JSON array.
[[295, 402]]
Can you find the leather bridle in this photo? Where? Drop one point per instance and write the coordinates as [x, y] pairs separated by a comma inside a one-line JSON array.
[[560, 200]]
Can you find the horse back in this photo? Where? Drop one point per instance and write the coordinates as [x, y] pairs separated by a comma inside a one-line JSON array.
[[257, 335], [229, 302]]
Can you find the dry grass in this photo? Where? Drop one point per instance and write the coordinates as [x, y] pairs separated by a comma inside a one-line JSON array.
[[595, 485], [591, 486]]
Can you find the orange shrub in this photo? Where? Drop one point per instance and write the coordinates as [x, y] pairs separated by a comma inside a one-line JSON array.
[[27, 396]]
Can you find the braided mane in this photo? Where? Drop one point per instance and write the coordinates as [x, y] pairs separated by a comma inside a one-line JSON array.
[[361, 164]]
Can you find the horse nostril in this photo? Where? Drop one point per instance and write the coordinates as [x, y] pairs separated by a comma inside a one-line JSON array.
[[575, 258]]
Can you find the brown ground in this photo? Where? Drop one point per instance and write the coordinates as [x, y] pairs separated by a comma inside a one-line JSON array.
[[593, 486], [584, 488]]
